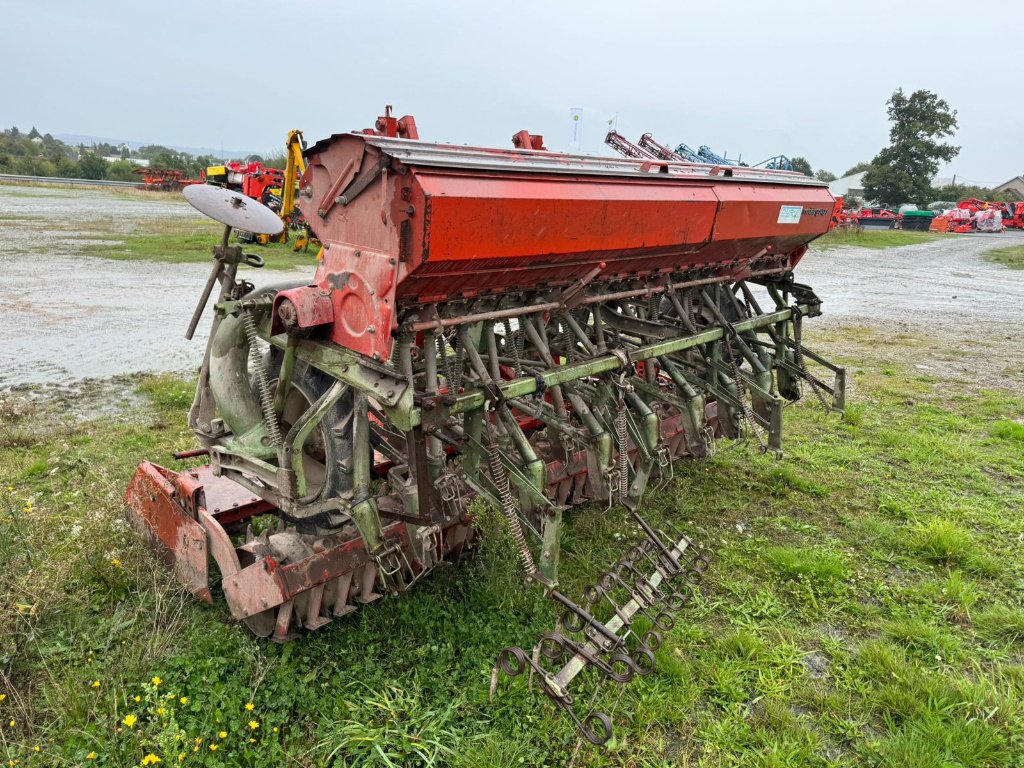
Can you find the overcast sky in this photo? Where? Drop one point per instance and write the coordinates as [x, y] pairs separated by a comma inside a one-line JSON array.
[[750, 77]]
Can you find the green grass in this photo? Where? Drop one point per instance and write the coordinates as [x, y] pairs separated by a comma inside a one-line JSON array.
[[1011, 256], [863, 608], [181, 241], [873, 238]]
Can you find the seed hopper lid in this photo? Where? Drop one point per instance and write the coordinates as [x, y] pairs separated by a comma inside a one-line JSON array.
[[233, 208]]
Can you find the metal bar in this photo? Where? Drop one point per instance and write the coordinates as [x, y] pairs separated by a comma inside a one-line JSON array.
[[550, 306], [576, 664], [71, 182], [469, 401]]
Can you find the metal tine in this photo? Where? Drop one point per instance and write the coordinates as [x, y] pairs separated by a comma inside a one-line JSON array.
[[643, 601], [555, 645], [651, 639], [514, 661], [584, 619], [593, 595], [675, 600]]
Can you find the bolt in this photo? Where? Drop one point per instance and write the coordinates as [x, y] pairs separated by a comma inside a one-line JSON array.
[[358, 254]]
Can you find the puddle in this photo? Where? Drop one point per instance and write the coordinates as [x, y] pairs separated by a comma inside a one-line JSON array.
[[70, 317]]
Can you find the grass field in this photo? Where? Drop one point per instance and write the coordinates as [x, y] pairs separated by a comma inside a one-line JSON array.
[[1011, 256], [181, 241], [873, 238], [864, 608]]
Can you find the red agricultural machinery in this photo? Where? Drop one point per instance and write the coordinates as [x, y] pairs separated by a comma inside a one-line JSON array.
[[164, 179], [528, 329]]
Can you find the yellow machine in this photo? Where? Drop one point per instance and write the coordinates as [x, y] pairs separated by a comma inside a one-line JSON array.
[[295, 166]]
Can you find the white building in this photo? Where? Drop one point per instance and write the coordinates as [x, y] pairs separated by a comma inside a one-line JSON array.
[[848, 186]]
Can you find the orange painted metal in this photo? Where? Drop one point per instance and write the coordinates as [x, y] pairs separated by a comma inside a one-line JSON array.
[[417, 223]]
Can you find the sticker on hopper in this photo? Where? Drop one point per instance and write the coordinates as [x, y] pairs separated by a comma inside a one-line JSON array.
[[790, 214]]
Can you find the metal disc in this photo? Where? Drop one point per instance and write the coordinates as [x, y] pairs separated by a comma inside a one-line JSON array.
[[233, 208]]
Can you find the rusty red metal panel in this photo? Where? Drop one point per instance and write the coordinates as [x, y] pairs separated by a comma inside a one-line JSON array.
[[158, 501], [305, 307]]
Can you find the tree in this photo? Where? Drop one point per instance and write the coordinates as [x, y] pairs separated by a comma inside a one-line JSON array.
[[858, 168], [122, 170], [826, 176], [801, 164], [92, 166], [902, 172]]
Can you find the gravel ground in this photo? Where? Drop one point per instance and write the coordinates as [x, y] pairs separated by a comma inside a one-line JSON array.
[[949, 311], [70, 317]]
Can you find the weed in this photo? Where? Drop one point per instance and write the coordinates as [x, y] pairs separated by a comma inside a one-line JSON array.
[[944, 542], [1000, 624], [1008, 430], [815, 567]]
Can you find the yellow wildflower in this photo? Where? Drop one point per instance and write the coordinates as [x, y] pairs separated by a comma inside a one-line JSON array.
[[36, 747], [199, 739], [275, 729], [181, 757], [195, 749], [11, 723], [95, 683], [156, 681], [91, 756], [138, 699], [161, 711], [249, 707], [183, 699], [222, 735], [151, 759], [252, 741], [10, 487], [3, 696], [115, 562], [130, 720], [254, 724], [213, 747]]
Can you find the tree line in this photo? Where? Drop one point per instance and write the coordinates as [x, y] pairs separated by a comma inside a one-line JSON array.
[[40, 154]]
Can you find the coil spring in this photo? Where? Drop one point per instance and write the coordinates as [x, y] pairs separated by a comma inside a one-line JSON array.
[[508, 507], [741, 395], [451, 366], [266, 397], [514, 344], [653, 307], [620, 428]]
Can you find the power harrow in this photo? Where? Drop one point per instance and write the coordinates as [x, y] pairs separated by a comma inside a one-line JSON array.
[[532, 329]]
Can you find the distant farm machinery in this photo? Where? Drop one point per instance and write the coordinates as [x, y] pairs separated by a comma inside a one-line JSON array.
[[532, 329]]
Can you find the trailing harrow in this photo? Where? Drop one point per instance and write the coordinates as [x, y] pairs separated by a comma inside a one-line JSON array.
[[531, 329]]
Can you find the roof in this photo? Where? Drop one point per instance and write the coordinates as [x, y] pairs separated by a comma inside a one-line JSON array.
[[1016, 182], [843, 186]]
